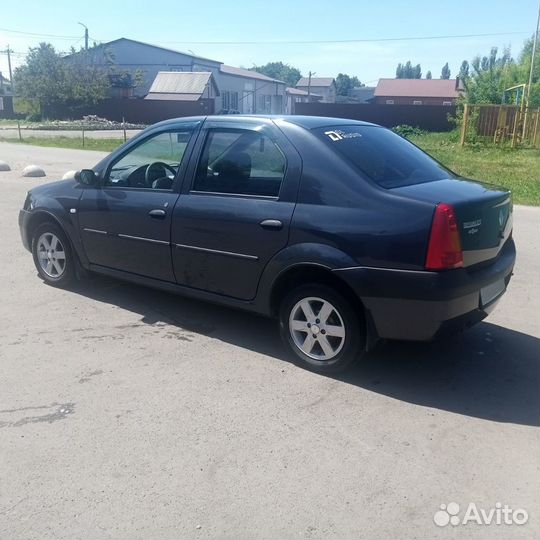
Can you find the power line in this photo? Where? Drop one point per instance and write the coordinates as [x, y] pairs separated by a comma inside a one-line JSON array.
[[56, 36], [329, 41], [295, 42]]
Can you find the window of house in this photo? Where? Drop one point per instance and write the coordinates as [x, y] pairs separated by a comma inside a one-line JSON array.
[[417, 102], [447, 103], [225, 99], [240, 162], [234, 101], [1, 103], [265, 104], [389, 101], [229, 100]]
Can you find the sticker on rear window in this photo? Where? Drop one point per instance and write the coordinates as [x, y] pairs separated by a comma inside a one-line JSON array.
[[338, 135]]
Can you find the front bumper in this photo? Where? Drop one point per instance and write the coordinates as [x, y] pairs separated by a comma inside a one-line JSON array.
[[24, 218], [420, 305]]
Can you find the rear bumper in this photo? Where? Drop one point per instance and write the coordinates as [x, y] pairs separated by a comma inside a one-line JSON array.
[[420, 305]]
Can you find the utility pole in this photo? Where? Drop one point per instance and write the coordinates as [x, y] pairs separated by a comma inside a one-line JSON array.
[[310, 74], [532, 57], [85, 36], [9, 51]]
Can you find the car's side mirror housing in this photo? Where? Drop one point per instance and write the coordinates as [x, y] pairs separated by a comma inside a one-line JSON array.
[[86, 177]]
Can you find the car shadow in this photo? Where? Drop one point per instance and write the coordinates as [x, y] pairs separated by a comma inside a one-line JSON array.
[[489, 372]]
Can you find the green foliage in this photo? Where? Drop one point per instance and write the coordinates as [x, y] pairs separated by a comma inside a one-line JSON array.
[[345, 83], [408, 131], [28, 107], [464, 70], [48, 78], [408, 71], [279, 70], [428, 75], [486, 78], [445, 72]]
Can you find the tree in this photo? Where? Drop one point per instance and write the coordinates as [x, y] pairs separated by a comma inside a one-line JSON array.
[[48, 78], [280, 71], [487, 77], [428, 75], [464, 70], [345, 83], [408, 71], [445, 72]]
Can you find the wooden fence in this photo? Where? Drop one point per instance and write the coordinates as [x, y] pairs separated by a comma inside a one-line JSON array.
[[501, 124]]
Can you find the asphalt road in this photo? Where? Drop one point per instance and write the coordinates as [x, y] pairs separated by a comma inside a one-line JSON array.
[[129, 413]]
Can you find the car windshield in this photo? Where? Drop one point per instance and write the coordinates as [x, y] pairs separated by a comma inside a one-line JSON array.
[[382, 156]]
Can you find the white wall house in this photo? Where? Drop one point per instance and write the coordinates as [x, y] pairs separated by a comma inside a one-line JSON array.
[[239, 90]]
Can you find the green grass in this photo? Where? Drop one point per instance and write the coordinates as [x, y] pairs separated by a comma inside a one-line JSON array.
[[515, 169], [105, 145]]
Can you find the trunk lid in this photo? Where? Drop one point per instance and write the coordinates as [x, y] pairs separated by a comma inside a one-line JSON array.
[[483, 212]]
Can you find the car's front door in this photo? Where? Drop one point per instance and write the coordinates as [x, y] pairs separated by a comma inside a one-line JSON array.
[[125, 222], [235, 208]]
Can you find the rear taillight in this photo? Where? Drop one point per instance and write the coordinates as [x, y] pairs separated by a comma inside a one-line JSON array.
[[444, 251]]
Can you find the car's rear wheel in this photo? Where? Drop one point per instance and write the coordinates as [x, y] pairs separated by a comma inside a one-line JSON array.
[[322, 330], [52, 255]]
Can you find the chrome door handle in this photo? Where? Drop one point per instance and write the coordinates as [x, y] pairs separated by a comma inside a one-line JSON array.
[[271, 224], [157, 213]]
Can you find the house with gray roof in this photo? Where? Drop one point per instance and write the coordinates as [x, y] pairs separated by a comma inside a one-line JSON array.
[[322, 86], [238, 89]]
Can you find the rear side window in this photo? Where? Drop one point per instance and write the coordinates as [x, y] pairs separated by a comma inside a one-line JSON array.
[[382, 156], [240, 162]]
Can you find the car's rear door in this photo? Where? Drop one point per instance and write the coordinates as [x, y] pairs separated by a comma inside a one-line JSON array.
[[236, 206], [125, 222]]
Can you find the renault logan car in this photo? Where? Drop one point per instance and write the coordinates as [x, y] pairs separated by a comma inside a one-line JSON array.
[[341, 229]]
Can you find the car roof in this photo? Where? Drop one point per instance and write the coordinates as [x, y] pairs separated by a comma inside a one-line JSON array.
[[306, 122]]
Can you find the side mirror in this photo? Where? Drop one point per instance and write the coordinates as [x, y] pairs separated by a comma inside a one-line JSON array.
[[86, 177]]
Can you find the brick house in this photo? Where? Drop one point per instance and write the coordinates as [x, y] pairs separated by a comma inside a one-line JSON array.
[[417, 91]]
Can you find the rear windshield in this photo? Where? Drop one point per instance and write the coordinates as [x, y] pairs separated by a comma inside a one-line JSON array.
[[382, 156]]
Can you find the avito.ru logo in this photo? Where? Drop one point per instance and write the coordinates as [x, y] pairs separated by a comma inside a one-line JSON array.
[[498, 515]]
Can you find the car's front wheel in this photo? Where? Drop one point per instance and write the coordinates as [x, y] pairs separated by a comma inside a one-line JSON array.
[[52, 255], [321, 328]]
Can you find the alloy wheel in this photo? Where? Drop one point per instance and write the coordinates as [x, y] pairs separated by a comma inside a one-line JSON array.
[[51, 255], [317, 328]]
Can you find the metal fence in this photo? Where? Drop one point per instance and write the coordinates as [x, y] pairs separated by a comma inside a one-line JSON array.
[[428, 117], [501, 124]]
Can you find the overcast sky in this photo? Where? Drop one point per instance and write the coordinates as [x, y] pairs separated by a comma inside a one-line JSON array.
[[183, 25]]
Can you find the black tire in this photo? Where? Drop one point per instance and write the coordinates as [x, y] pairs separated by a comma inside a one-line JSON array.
[[346, 350], [54, 277]]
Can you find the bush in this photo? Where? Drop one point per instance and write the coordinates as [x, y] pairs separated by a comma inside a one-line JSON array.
[[408, 131]]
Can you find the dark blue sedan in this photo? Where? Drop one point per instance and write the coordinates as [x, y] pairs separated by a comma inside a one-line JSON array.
[[342, 230]]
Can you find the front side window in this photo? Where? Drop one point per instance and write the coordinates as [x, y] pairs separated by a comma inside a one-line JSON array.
[[153, 164], [382, 156], [240, 162]]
